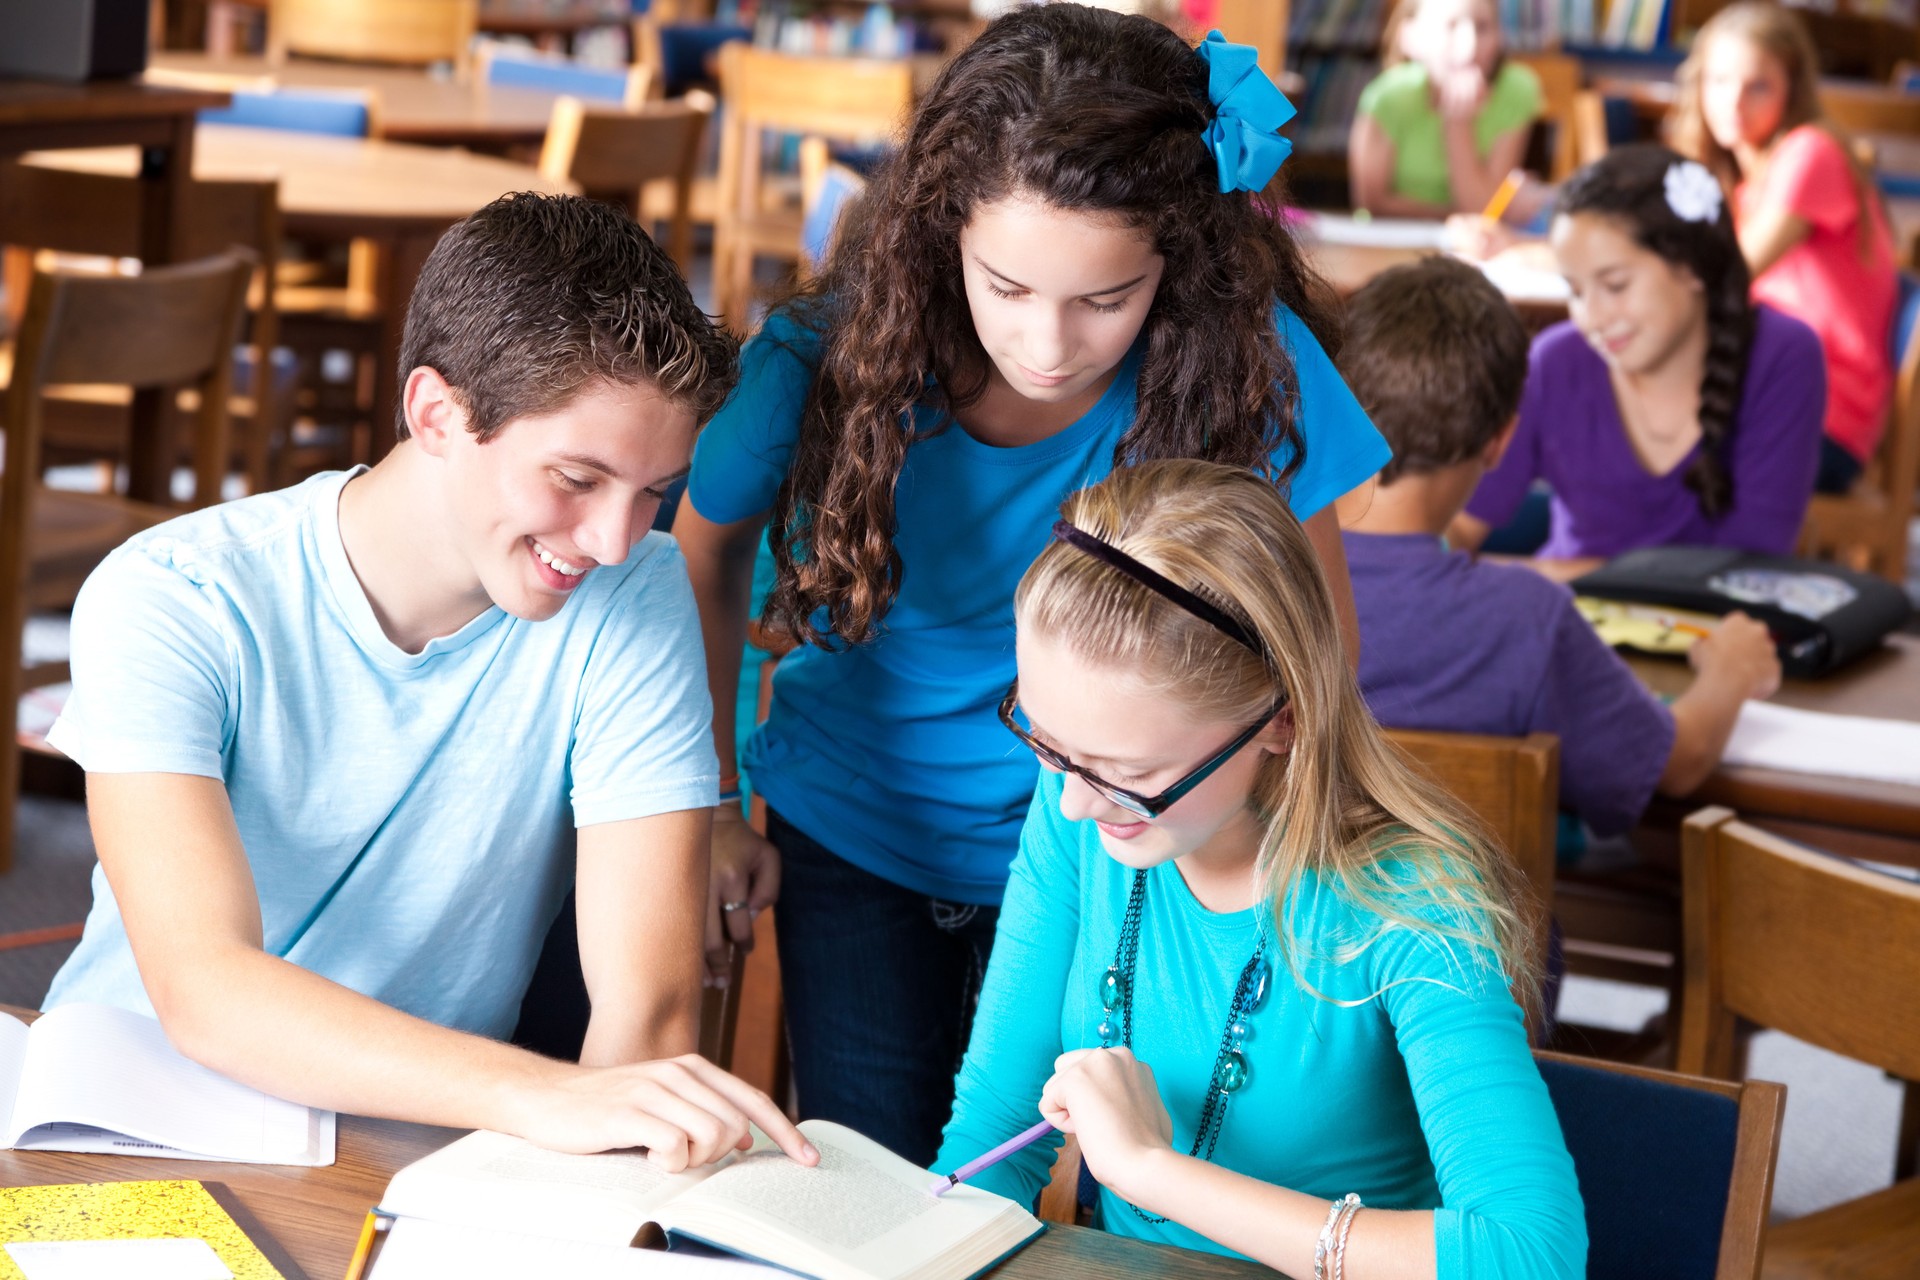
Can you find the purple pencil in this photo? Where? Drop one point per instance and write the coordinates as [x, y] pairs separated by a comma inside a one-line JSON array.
[[992, 1158]]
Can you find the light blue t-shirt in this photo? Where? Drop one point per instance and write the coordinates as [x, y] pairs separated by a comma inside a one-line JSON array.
[[891, 753], [407, 817], [1411, 1085]]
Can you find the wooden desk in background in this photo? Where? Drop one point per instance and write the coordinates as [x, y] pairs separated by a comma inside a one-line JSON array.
[[414, 106], [316, 1214], [398, 196], [1879, 821]]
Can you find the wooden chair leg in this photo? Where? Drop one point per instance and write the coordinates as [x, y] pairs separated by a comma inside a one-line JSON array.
[[1906, 1154]]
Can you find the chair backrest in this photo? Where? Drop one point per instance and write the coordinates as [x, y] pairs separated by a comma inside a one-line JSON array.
[[167, 327], [1676, 1171], [95, 213], [849, 99], [611, 155], [1560, 75], [1812, 945], [1861, 108], [677, 52], [337, 113], [508, 66], [411, 32], [827, 192], [1511, 784]]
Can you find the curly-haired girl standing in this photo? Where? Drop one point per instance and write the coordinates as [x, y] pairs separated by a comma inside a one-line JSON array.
[[1669, 409], [1063, 267]]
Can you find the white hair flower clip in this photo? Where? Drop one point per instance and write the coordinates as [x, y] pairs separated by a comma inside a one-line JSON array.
[[1692, 192]]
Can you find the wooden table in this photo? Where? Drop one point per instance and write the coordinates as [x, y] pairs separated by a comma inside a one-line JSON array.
[[316, 1213], [398, 196], [1874, 820], [413, 105]]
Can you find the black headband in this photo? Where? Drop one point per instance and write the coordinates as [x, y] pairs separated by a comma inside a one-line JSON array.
[[1158, 583]]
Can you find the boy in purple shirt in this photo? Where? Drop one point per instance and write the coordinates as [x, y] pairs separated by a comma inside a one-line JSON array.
[[1438, 358]]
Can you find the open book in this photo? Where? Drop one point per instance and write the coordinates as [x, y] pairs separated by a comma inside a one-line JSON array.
[[862, 1214], [89, 1077]]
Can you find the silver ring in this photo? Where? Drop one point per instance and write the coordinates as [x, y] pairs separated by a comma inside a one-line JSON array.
[[733, 906]]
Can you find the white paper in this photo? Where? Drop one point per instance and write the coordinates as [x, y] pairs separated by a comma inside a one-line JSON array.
[[1523, 283], [416, 1247], [1375, 233], [1767, 736], [192, 1259], [108, 1080]]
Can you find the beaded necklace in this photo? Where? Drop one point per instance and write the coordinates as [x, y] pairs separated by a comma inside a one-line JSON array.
[[1230, 1070]]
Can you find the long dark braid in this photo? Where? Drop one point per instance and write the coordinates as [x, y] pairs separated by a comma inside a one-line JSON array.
[[1629, 184]]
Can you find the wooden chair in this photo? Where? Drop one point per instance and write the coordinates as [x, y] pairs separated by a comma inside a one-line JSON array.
[[1869, 109], [1560, 75], [99, 214], [409, 32], [1867, 528], [1590, 140], [764, 94], [1511, 784], [166, 328], [1828, 952], [1676, 1171], [614, 155]]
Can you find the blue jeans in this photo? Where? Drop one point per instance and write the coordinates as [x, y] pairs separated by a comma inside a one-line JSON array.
[[881, 985]]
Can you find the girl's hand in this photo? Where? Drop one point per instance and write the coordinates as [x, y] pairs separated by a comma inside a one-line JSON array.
[[1461, 91], [745, 874], [1108, 1099]]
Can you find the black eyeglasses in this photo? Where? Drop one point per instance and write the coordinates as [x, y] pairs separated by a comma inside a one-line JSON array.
[[1132, 801]]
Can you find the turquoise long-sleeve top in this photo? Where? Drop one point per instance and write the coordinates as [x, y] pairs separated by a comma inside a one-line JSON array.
[[1410, 1083]]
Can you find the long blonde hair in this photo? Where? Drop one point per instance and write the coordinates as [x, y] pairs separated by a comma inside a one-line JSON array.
[[1779, 33], [1343, 803]]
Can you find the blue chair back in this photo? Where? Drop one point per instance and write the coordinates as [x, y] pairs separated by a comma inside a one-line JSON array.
[[685, 48], [1655, 1161], [551, 75], [338, 115], [1906, 317], [839, 190]]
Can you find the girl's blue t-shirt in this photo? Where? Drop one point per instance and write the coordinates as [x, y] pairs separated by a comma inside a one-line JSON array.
[[891, 753]]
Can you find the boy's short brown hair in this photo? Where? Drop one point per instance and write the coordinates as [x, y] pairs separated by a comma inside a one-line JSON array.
[[525, 303], [1437, 358]]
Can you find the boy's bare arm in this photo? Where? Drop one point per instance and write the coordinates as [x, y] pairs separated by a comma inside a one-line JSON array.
[[172, 855], [641, 902]]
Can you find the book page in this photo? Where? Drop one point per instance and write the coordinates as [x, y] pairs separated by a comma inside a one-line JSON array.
[[486, 1179], [861, 1210], [419, 1250], [109, 1069]]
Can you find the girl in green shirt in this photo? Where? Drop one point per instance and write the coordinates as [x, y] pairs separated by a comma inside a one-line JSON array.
[[1439, 130]]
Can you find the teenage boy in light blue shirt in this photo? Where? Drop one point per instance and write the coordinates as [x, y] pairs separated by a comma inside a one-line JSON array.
[[338, 737]]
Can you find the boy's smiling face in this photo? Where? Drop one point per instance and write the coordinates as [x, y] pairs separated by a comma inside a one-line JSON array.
[[553, 496]]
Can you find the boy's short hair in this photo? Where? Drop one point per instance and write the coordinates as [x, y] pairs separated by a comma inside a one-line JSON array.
[[1438, 358], [526, 302]]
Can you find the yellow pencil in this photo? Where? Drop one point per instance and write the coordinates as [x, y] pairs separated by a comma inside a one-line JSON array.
[[364, 1249], [1503, 196]]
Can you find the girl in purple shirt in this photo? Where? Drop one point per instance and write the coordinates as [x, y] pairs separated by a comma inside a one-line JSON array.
[[1669, 409]]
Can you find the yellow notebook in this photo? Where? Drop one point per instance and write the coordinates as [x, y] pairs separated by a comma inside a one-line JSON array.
[[143, 1211]]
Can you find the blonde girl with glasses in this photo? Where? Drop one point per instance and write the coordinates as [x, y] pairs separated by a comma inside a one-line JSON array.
[[1278, 1009]]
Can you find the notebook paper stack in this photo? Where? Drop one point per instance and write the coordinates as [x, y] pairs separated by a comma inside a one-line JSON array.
[[88, 1077]]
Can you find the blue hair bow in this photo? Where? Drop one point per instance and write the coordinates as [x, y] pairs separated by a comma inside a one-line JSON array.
[[1248, 109]]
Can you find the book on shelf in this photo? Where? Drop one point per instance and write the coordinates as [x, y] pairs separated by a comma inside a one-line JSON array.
[[862, 1213], [135, 1229], [89, 1077]]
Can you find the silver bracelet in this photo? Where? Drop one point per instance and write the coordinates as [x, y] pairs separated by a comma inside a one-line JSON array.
[[1324, 1243], [1340, 1247]]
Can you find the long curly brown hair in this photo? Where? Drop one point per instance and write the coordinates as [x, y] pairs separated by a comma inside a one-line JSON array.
[[1089, 111]]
